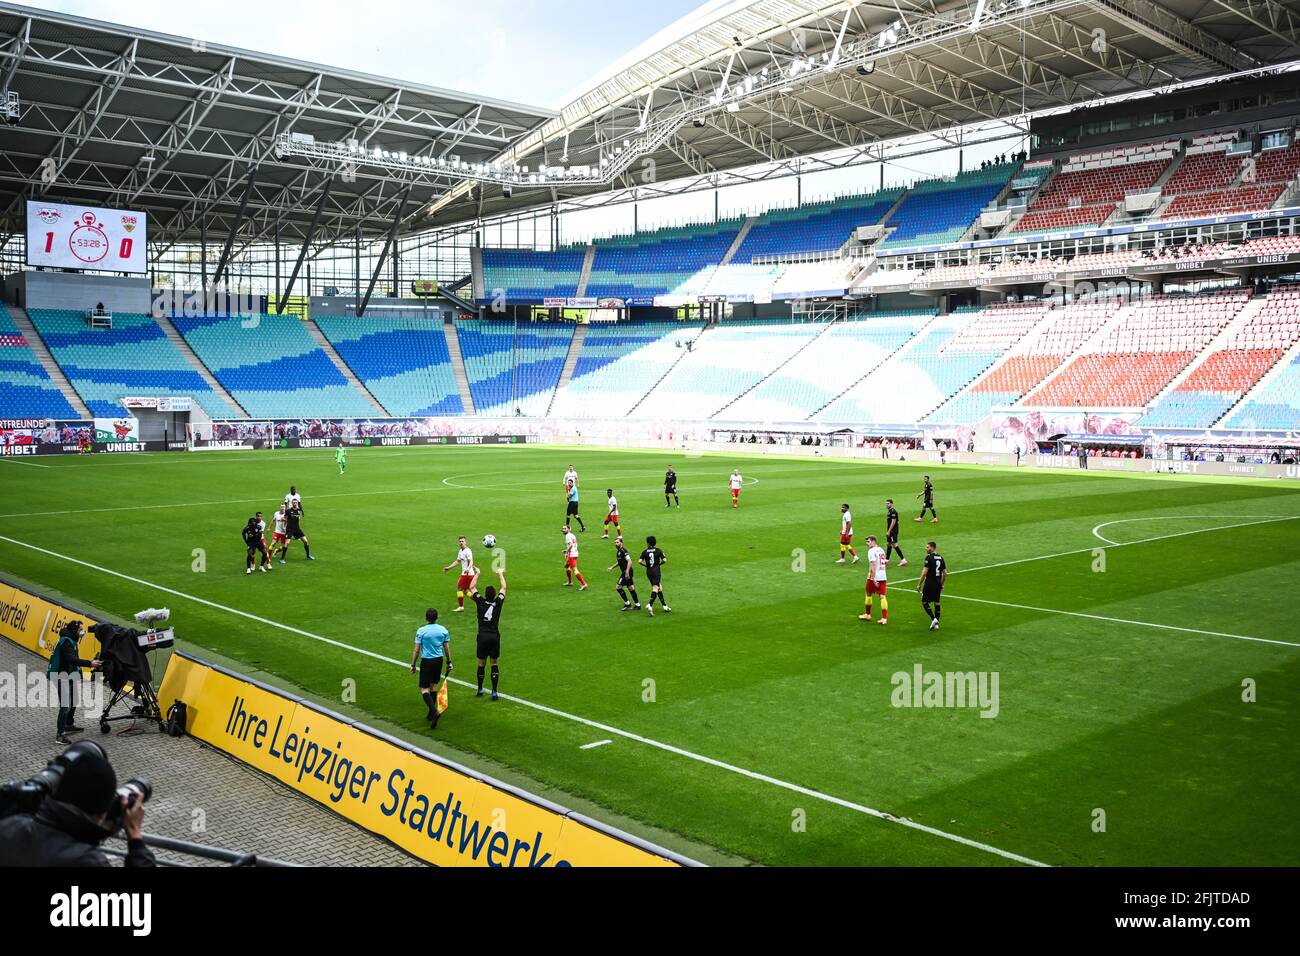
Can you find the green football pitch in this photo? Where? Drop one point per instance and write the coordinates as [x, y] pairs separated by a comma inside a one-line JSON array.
[[1141, 631]]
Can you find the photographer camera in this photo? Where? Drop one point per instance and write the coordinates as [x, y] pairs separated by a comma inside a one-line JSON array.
[[60, 816], [65, 671]]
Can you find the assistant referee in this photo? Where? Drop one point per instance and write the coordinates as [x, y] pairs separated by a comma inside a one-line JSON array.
[[432, 645]]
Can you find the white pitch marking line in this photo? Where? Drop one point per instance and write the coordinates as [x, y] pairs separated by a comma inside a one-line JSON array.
[[20, 460], [594, 744], [595, 725], [1122, 544], [1121, 620], [204, 504], [1106, 524]]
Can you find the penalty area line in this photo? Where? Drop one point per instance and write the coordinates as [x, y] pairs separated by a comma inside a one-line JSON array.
[[587, 722], [1120, 620]]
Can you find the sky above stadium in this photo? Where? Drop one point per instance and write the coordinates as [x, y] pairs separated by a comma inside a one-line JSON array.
[[535, 52]]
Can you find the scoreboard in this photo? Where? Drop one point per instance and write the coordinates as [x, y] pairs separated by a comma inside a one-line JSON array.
[[86, 237]]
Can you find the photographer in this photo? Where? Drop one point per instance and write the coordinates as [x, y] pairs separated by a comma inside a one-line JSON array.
[[77, 806], [65, 671]]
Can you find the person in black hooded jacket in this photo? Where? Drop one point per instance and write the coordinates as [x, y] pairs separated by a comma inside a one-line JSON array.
[[71, 823]]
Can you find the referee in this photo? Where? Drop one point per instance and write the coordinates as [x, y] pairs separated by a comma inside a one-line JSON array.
[[432, 644], [488, 607]]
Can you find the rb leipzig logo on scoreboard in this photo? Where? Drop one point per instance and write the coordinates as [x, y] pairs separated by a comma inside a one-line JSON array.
[[79, 237]]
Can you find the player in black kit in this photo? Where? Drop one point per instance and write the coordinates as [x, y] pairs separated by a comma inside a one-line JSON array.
[[293, 514], [488, 608], [670, 488], [933, 577], [891, 533], [625, 585], [653, 560], [252, 535], [927, 502]]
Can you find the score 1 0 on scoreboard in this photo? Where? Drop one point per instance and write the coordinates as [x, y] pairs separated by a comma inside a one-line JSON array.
[[86, 237]]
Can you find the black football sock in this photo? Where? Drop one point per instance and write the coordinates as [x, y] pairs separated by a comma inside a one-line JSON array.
[[635, 599], [928, 610], [677, 500], [623, 595], [496, 676], [666, 501], [936, 610], [431, 702], [582, 525], [306, 547], [662, 602], [480, 678]]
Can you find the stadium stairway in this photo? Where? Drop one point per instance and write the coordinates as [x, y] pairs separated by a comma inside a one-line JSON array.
[[196, 363], [1253, 308], [344, 369], [458, 366], [585, 276], [900, 352], [682, 353], [829, 325], [34, 341], [570, 363], [740, 238]]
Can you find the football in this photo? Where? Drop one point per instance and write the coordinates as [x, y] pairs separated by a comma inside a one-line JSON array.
[[489, 541]]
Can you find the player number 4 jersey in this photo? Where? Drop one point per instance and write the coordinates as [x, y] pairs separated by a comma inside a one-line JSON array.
[[876, 556]]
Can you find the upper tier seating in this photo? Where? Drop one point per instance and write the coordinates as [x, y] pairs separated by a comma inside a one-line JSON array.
[[402, 360], [838, 358], [527, 276], [1151, 342], [273, 367], [619, 363], [1089, 187], [513, 365], [726, 361], [678, 260], [743, 280], [134, 357], [1225, 202], [827, 277], [813, 227], [1222, 376], [1275, 166], [26, 389], [1204, 171], [941, 210]]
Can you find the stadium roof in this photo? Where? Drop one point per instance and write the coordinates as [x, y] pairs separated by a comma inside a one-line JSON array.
[[126, 117], [920, 68]]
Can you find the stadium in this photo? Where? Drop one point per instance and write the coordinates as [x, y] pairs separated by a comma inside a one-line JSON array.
[[797, 299]]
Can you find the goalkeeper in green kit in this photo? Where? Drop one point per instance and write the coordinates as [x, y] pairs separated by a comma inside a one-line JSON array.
[[341, 456]]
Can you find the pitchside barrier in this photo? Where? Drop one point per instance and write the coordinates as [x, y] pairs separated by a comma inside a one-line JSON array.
[[428, 806], [431, 807], [34, 621]]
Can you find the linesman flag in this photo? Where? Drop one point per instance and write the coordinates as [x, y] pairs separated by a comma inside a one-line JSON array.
[[442, 696]]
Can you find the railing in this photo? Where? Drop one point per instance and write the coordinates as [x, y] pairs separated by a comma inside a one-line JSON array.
[[201, 851]]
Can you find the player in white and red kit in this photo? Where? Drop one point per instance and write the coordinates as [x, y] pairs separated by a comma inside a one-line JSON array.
[[736, 482], [465, 583], [612, 517], [846, 534], [279, 537], [571, 560], [261, 530], [875, 580]]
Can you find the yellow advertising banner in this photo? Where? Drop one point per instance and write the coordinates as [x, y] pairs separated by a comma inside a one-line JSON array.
[[433, 809], [34, 622]]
